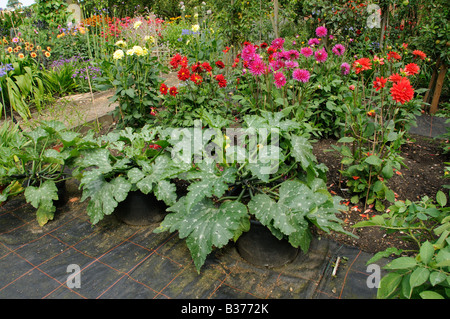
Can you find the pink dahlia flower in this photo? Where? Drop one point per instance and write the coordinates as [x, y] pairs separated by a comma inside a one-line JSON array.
[[306, 51], [321, 32], [301, 75], [321, 55], [280, 79]]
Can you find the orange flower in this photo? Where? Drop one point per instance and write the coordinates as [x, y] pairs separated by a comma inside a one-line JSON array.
[[33, 55], [371, 113], [21, 56], [49, 49], [10, 50], [47, 54], [355, 177]]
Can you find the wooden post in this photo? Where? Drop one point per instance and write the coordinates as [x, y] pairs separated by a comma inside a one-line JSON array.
[[426, 98], [438, 89], [274, 20]]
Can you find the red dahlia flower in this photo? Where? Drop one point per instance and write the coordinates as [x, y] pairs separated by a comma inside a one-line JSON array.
[[379, 83], [184, 62], [196, 78], [196, 68], [206, 67], [395, 78], [222, 81], [402, 91], [173, 91], [220, 64], [184, 74], [362, 64], [163, 89], [412, 68], [174, 62], [393, 55], [419, 54]]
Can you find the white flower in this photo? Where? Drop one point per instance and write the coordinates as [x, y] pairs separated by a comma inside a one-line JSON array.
[[137, 24], [130, 52], [138, 50], [149, 38], [118, 54], [195, 27], [121, 44]]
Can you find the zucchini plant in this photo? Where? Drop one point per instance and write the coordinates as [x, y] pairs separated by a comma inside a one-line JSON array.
[[266, 171], [125, 161], [34, 163]]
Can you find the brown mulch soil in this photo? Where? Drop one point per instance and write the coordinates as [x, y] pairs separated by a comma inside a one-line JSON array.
[[424, 177]]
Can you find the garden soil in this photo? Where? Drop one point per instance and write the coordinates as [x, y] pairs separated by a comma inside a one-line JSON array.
[[69, 258]]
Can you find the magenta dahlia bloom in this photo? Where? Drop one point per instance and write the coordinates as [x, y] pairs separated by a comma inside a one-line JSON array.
[[301, 75], [291, 64], [293, 54], [313, 42], [338, 49], [248, 52], [321, 55], [321, 32], [345, 68], [277, 64], [277, 43], [282, 55], [306, 51], [280, 79], [257, 66]]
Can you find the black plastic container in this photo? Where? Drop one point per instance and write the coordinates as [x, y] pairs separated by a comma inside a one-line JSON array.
[[260, 247], [139, 209]]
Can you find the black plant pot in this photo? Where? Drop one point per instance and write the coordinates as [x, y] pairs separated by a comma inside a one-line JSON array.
[[139, 209], [260, 247], [62, 194]]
